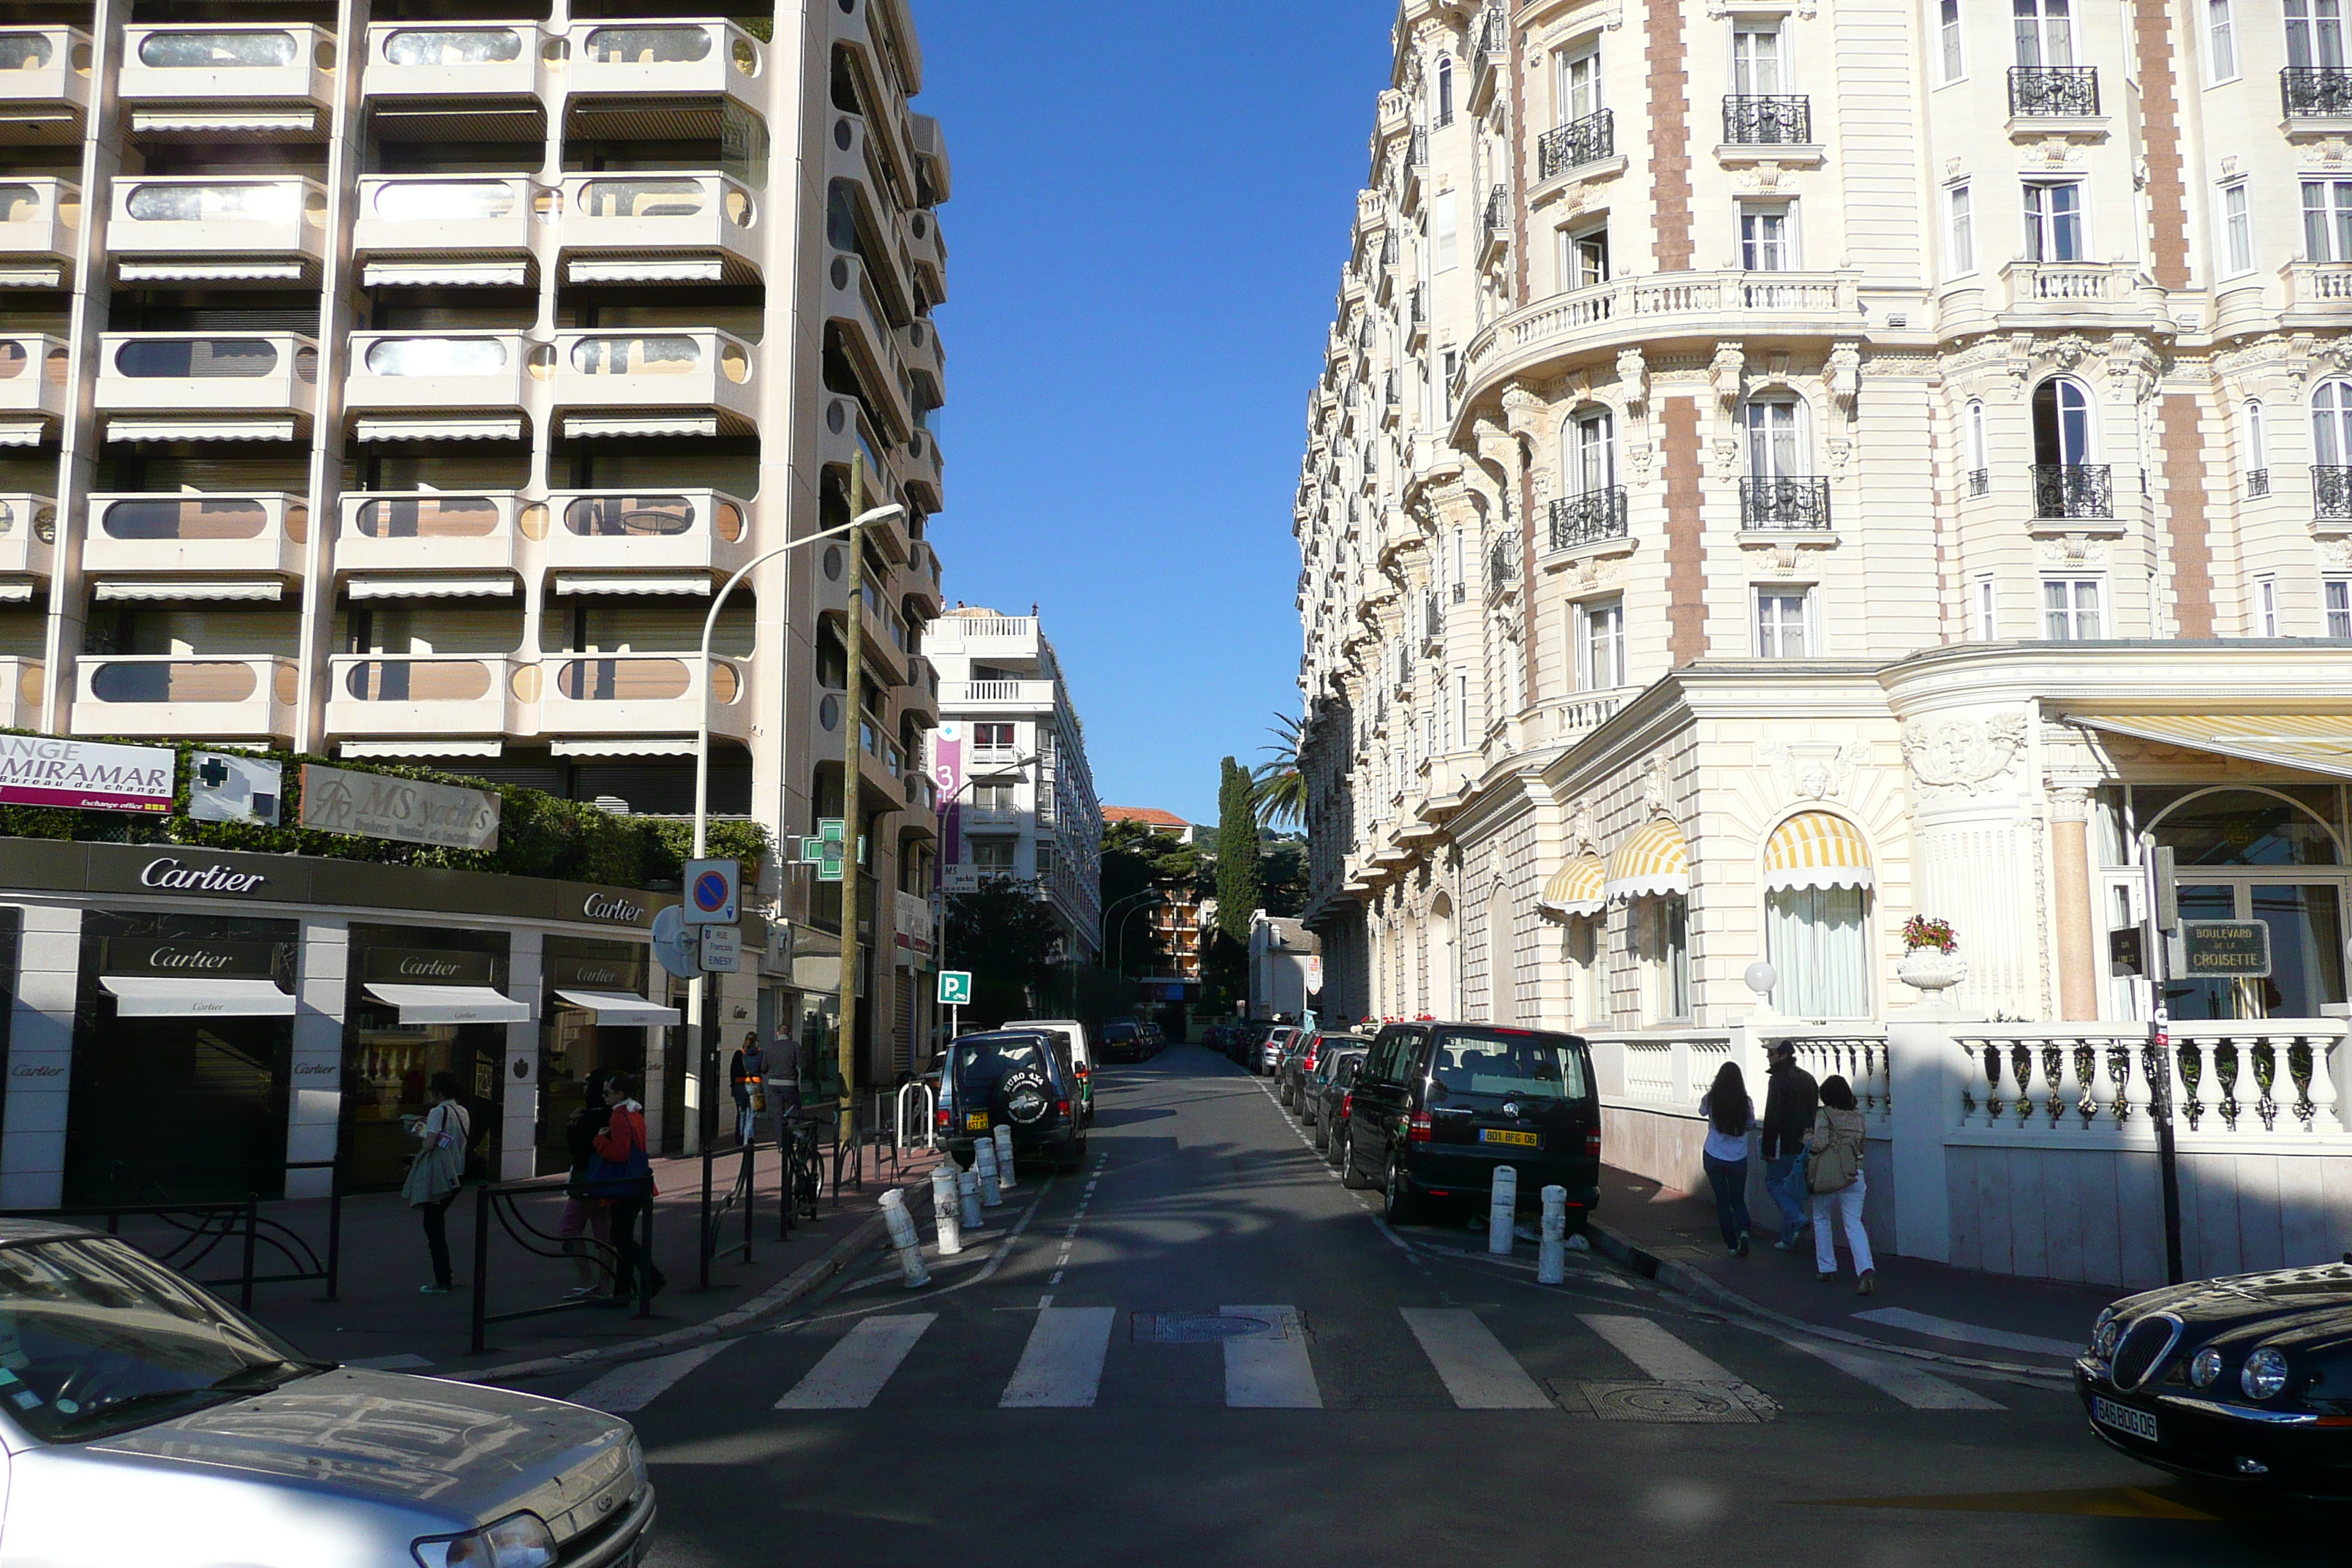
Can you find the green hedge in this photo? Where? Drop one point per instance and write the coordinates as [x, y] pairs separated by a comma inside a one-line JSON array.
[[539, 835]]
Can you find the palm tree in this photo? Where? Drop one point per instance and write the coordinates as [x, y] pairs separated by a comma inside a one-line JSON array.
[[1278, 789]]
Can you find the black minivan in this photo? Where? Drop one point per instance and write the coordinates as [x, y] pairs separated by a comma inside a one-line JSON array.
[[1019, 1079], [1437, 1107]]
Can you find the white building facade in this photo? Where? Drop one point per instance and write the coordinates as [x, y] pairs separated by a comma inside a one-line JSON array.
[[1785, 468]]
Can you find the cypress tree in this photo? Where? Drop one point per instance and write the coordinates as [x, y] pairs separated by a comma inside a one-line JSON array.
[[1237, 852]]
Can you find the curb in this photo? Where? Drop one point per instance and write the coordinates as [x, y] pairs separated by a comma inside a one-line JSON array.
[[1706, 1287], [800, 1282]]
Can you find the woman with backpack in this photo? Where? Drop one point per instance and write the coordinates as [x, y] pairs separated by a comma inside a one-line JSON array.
[[621, 1173], [437, 1172], [1729, 1114], [1834, 1171]]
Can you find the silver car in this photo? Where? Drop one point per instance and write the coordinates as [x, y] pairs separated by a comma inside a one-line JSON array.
[[145, 1425]]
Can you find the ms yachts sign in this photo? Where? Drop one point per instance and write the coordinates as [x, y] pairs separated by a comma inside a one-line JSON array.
[[36, 770], [375, 805]]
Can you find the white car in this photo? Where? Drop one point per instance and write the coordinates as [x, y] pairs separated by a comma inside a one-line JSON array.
[[1277, 1042], [1071, 1033]]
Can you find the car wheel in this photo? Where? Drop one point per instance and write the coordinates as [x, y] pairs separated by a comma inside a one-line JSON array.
[[1399, 1207], [1348, 1176], [1322, 1137]]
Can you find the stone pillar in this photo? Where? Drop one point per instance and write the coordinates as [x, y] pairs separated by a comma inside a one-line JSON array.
[[314, 1116], [1924, 1074], [2071, 909], [519, 1131], [40, 1058]]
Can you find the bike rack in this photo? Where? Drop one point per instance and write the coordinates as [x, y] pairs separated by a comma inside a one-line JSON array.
[[929, 1116]]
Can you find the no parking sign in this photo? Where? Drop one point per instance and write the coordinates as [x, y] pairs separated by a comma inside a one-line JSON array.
[[710, 892]]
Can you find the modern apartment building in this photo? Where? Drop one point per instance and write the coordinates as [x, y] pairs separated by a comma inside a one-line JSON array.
[[401, 381], [1175, 920], [1010, 761], [1781, 468]]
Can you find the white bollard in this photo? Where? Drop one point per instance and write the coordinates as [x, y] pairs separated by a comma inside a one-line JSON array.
[[1501, 1217], [904, 1238], [1551, 1253], [1006, 1179], [968, 1193], [983, 1162], [945, 1211]]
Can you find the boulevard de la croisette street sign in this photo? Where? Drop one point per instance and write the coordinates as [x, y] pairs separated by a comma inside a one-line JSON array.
[[955, 988], [2225, 950]]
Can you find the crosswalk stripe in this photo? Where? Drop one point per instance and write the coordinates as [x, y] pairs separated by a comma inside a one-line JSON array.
[[625, 1389], [1061, 1364], [854, 1371], [1919, 1390], [1649, 1346], [1479, 1372], [1270, 1373]]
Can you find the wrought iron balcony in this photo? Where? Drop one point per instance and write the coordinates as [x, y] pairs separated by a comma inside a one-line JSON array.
[[1753, 120], [1389, 392], [1433, 615], [2310, 92], [1498, 211], [1576, 143], [1502, 570], [2258, 483], [2067, 92], [1420, 302], [2074, 491], [1783, 505], [1389, 250], [1979, 481], [1589, 518], [2331, 494]]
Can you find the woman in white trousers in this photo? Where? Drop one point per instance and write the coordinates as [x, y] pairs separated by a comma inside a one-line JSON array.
[[1834, 1170]]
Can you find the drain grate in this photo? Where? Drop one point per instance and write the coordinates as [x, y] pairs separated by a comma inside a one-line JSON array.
[[1668, 1404], [1195, 1328]]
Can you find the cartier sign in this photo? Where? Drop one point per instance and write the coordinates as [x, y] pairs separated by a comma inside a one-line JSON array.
[[612, 907], [191, 956], [169, 874], [418, 966]]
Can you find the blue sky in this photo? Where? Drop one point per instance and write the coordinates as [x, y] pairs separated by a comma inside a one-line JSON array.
[[1151, 206]]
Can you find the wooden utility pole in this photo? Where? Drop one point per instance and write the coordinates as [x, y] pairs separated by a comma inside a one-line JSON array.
[[852, 788]]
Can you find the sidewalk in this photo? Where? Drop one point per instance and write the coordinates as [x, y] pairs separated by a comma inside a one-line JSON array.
[[1918, 1305], [381, 1320]]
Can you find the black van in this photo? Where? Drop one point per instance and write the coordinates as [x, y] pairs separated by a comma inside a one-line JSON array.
[[1437, 1107]]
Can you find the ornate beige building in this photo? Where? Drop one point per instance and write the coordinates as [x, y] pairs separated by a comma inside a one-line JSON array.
[[1781, 468]]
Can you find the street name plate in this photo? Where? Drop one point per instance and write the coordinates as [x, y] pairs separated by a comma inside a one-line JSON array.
[[2225, 950]]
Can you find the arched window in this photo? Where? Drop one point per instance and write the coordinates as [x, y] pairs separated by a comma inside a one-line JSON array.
[[2255, 855], [1775, 446], [2331, 424], [2062, 423], [1443, 113], [1979, 451], [2258, 450], [1591, 451], [1816, 885]]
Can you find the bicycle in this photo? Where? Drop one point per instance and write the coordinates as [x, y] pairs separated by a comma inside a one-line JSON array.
[[805, 1179]]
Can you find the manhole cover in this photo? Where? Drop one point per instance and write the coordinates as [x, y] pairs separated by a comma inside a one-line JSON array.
[[1195, 1328], [1670, 1404]]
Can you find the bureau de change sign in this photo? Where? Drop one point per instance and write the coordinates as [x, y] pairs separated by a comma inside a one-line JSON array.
[[373, 805], [39, 770], [2225, 950]]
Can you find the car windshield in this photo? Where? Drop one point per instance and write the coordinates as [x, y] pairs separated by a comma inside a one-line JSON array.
[[96, 1338], [981, 1063], [1508, 1061]]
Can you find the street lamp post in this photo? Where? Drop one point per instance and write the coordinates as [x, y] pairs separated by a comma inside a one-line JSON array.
[[1116, 933]]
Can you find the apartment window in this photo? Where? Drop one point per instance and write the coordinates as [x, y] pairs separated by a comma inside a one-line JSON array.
[[1780, 616], [1979, 452], [2072, 609], [2045, 32], [1448, 364], [2338, 593], [993, 794], [1585, 257], [1444, 112], [1592, 452], [2266, 614], [1767, 236], [992, 737], [2331, 424], [1462, 705], [1949, 22], [1601, 646], [2221, 39], [1820, 945], [1963, 230], [2328, 220], [1775, 450], [1672, 951], [2061, 424], [2237, 230], [2054, 220], [1444, 236], [1984, 610], [994, 856], [1580, 86], [1044, 860], [2314, 33], [1756, 62]]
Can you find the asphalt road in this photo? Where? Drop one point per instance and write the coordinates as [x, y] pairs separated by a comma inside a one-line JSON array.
[[1068, 1396]]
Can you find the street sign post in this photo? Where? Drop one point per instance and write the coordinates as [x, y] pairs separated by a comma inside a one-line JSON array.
[[955, 995], [2225, 950], [712, 892], [2158, 1060], [722, 949], [674, 945]]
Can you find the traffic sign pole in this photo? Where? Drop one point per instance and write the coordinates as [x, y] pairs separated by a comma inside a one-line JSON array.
[[2163, 918]]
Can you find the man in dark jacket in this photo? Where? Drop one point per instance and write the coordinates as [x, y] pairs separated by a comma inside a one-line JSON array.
[[1789, 1106]]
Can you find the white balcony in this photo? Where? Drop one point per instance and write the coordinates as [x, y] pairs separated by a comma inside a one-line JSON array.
[[589, 695], [203, 78], [40, 221], [2085, 293], [374, 696], [258, 535], [666, 57], [229, 696], [853, 298], [272, 227], [185, 385], [452, 59], [448, 229], [637, 223], [21, 690], [28, 537], [437, 370], [690, 380], [627, 534], [962, 696], [33, 377], [45, 73], [996, 639], [434, 533]]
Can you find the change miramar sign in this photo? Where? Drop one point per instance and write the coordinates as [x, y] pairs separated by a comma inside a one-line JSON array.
[[85, 775]]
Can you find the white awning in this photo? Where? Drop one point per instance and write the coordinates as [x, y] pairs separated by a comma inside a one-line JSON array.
[[208, 271], [635, 746], [120, 428], [451, 1004], [443, 430], [30, 276], [694, 586], [224, 119], [646, 270], [460, 274], [16, 591], [112, 588], [423, 748], [20, 433], [431, 587], [196, 997], [619, 1010], [576, 425]]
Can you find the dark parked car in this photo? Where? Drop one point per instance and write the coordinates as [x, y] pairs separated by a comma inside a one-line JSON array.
[[1326, 1087], [1437, 1107], [2245, 1379], [1298, 1061], [1246, 1039], [1014, 1078], [1122, 1041]]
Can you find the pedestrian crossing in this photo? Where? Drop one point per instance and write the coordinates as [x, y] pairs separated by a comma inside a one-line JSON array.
[[1272, 1360]]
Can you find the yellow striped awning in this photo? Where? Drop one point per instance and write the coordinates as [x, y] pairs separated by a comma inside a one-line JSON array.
[[1815, 850], [1578, 887], [2315, 742], [1653, 862]]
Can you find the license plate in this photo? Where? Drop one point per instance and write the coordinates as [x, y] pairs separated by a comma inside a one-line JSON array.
[[2122, 1418], [1517, 1140], [976, 1121]]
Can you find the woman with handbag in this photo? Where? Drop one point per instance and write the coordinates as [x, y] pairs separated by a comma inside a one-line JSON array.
[[437, 1172], [1835, 1172], [623, 1173], [748, 1072]]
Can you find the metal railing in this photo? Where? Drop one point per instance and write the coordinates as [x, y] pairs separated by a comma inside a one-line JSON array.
[[2260, 1078], [1760, 120], [1979, 481], [1418, 154], [1784, 505], [1576, 143], [501, 1201], [2314, 91], [2054, 92], [1589, 518], [2331, 494], [2258, 483], [188, 1234], [926, 1118], [1432, 616], [2074, 491], [1499, 211], [741, 1195], [1502, 569]]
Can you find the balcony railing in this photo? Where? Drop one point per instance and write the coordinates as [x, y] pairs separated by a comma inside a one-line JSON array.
[[664, 56], [2258, 483], [2266, 1083], [1432, 616], [1754, 120], [39, 217], [698, 366], [2063, 490], [440, 214], [434, 531], [1589, 518], [33, 374], [261, 532], [2056, 92], [449, 59], [418, 370], [1502, 566], [1576, 143], [643, 530], [21, 689], [2331, 494], [633, 693], [1979, 481], [1498, 211], [165, 694], [44, 71], [434, 694], [640, 211], [1784, 505], [2313, 92], [208, 373], [28, 536], [181, 214]]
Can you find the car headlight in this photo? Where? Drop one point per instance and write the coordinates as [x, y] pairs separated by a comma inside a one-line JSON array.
[[517, 1541], [2205, 1368], [2105, 1333], [639, 1477], [2265, 1377]]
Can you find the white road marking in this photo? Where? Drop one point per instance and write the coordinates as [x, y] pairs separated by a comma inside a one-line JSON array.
[[1657, 1353], [1270, 1373], [854, 1371], [1061, 1364], [627, 1389], [1919, 1390], [1479, 1372], [1967, 1333]]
